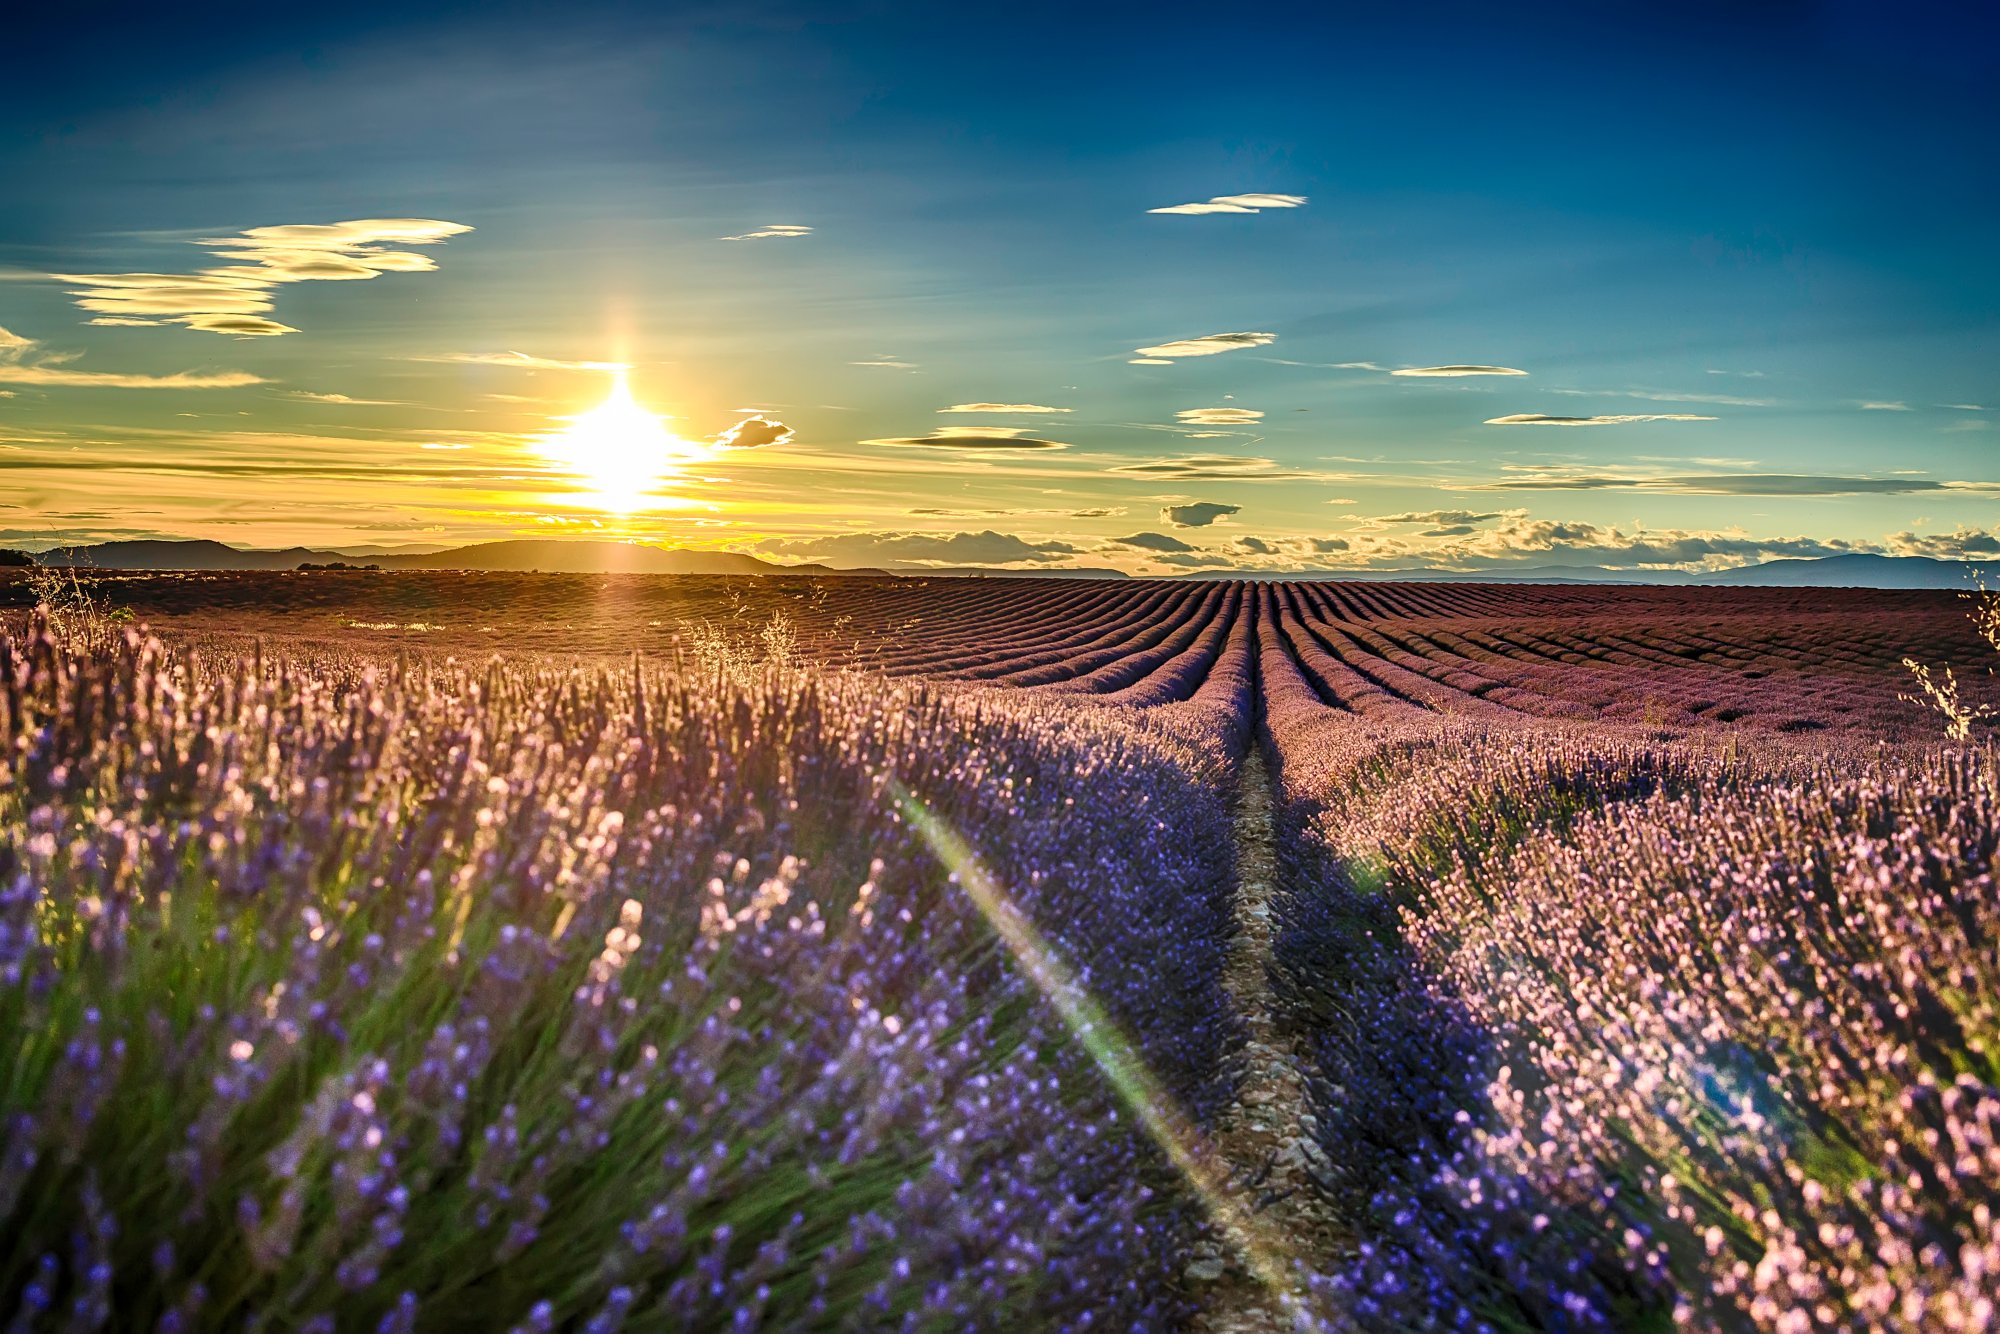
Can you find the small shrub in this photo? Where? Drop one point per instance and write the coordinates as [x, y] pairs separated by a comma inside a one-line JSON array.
[[1940, 692]]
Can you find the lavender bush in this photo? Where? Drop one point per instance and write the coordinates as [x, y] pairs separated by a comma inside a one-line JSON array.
[[524, 997], [1638, 951], [1611, 1031]]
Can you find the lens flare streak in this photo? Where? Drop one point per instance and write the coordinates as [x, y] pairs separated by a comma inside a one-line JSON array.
[[1263, 1252]]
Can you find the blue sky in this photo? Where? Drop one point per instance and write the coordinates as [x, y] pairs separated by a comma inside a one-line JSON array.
[[1748, 256]]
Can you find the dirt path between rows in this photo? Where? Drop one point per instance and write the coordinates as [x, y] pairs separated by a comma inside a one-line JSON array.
[[1260, 1133]]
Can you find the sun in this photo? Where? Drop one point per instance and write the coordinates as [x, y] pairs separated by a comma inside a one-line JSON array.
[[619, 450]]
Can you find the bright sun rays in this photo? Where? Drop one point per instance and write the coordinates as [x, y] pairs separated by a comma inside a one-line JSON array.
[[620, 452]]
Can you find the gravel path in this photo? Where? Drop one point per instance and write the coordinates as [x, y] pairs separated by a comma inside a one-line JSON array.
[[1260, 1133]]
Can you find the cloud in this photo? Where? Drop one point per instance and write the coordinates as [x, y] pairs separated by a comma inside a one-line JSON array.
[[971, 437], [1447, 372], [1207, 345], [1149, 361], [20, 364], [1219, 416], [1437, 517], [754, 433], [1549, 541], [1541, 478], [771, 230], [1965, 407], [1960, 543], [1885, 407], [888, 362], [938, 511], [1289, 548], [244, 326], [1250, 203], [1192, 560], [236, 298], [1153, 542], [1728, 400], [342, 400], [1219, 468], [1519, 541], [1002, 407], [524, 361], [1200, 514], [887, 548], [1544, 419]]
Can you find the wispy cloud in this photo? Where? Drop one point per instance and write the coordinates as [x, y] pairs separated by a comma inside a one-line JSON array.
[[998, 511], [21, 362], [1219, 416], [524, 361], [1448, 372], [1538, 477], [1965, 407], [1663, 396], [1153, 542], [1249, 203], [1544, 419], [1884, 406], [771, 231], [1207, 345], [342, 400], [971, 437], [1002, 407], [1219, 468], [1200, 514], [925, 549], [755, 433], [1436, 517], [236, 298], [887, 361]]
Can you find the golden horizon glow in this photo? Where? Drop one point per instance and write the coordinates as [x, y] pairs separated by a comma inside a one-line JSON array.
[[620, 451]]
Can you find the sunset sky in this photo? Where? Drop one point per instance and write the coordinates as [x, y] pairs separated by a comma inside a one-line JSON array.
[[1147, 287]]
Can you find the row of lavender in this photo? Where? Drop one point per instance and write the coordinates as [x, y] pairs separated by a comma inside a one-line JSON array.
[[1609, 1030], [1766, 659], [524, 997]]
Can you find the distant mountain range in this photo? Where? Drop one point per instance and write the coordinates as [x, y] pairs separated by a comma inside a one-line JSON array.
[[1853, 572], [523, 554], [1857, 571], [586, 557]]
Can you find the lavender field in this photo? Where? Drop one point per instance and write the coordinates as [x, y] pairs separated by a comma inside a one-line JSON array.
[[509, 952]]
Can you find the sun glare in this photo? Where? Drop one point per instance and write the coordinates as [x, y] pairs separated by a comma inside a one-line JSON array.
[[619, 450]]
